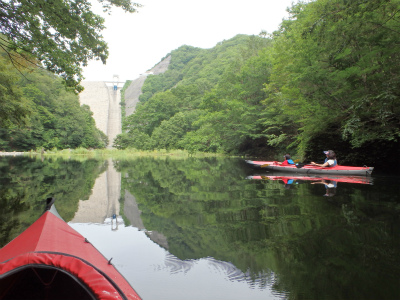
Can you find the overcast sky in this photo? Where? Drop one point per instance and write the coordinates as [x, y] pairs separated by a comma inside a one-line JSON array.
[[140, 40]]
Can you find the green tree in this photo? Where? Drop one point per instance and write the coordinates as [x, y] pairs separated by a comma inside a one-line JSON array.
[[93, 137], [170, 132], [235, 111], [150, 114], [61, 36], [224, 83], [13, 106], [337, 68], [133, 139], [56, 118]]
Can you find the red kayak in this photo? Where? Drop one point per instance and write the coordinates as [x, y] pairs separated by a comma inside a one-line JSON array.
[[311, 169], [50, 260], [337, 178]]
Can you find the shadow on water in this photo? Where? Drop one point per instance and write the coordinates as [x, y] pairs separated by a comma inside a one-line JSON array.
[[298, 242]]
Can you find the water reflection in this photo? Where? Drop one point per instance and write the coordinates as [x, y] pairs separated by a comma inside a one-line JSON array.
[[330, 186], [199, 227], [114, 221], [313, 178], [157, 274], [103, 202], [25, 182], [329, 181], [226, 269], [131, 211]]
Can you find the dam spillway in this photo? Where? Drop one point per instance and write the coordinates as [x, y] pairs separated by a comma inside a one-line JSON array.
[[104, 102]]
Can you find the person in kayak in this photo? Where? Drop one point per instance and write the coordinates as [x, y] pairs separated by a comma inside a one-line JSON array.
[[330, 160], [288, 160]]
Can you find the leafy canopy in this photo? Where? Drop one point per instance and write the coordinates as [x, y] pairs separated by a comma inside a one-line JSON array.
[[60, 35], [36, 111], [336, 65]]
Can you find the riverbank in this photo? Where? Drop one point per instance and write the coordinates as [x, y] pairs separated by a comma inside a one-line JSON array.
[[82, 153]]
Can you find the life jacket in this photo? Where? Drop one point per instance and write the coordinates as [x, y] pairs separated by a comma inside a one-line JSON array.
[[288, 162], [334, 162]]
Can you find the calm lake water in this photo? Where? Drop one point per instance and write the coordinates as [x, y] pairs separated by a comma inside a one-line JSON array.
[[210, 228]]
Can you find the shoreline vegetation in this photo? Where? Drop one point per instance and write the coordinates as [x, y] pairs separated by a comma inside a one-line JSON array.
[[110, 153]]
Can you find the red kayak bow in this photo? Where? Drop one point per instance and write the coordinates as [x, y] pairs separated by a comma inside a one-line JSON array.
[[50, 260]]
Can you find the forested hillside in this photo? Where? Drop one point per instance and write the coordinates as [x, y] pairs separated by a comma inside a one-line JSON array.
[[202, 88], [328, 78], [38, 111]]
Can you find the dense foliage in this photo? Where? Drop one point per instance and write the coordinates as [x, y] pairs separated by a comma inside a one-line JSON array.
[[201, 89], [61, 36], [336, 72], [327, 79], [38, 112]]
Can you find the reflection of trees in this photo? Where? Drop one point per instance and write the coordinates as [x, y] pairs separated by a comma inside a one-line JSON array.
[[10, 204], [206, 208], [175, 265], [344, 261], [26, 182]]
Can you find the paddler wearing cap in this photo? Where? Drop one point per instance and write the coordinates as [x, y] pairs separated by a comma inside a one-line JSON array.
[[330, 160]]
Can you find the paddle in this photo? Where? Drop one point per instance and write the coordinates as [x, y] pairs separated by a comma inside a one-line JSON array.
[[300, 165], [264, 165]]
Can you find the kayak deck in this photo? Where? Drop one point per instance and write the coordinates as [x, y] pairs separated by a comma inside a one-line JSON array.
[[311, 169], [51, 260]]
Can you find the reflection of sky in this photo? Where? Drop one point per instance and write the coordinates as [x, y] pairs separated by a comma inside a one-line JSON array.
[[156, 274]]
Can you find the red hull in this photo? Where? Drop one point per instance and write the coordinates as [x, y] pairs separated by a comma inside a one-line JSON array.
[[310, 169], [337, 178], [51, 245]]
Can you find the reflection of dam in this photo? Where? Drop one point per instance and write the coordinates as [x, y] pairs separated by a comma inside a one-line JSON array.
[[104, 201], [103, 205]]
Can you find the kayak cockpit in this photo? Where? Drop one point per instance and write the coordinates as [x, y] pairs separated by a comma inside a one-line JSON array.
[[42, 282], [51, 260]]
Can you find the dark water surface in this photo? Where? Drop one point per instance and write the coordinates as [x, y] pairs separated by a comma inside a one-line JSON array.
[[207, 229]]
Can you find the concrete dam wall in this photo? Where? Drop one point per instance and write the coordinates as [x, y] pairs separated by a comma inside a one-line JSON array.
[[104, 102], [104, 99]]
